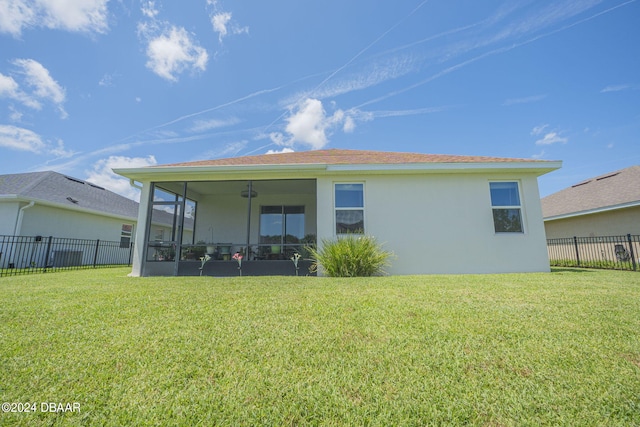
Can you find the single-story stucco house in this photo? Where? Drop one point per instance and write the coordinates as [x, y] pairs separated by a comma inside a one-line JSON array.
[[436, 213], [43, 204], [52, 204], [605, 205]]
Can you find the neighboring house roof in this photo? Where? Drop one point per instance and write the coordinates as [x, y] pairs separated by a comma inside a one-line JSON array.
[[614, 190], [56, 189], [336, 160]]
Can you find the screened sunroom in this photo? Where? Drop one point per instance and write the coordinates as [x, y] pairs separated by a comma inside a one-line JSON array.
[[231, 227]]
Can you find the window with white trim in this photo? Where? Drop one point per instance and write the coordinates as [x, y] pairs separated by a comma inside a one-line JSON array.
[[125, 235], [349, 208], [507, 209]]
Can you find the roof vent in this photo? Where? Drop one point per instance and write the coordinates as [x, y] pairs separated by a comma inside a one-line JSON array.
[[582, 183], [72, 200], [95, 186], [79, 181], [607, 176]]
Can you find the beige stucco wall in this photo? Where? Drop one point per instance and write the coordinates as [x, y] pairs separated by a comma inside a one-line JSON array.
[[42, 220], [8, 216], [442, 223], [433, 223], [610, 223]]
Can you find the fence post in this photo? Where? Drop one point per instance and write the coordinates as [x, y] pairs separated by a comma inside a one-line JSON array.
[[130, 253], [95, 255], [575, 243], [633, 255], [48, 255]]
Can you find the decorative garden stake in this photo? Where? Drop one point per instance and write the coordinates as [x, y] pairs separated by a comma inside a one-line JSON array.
[[238, 258], [295, 258], [203, 261]]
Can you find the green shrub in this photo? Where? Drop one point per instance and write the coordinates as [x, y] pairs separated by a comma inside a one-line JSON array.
[[350, 256]]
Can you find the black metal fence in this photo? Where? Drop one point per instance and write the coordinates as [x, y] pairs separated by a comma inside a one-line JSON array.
[[37, 254], [610, 252]]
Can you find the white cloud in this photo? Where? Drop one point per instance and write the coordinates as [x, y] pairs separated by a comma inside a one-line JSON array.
[[60, 152], [9, 88], [102, 174], [551, 138], [205, 125], [222, 22], [229, 150], [309, 124], [149, 9], [14, 114], [173, 52], [349, 124], [368, 75], [21, 139], [89, 16], [219, 22], [618, 88], [284, 150], [538, 156], [42, 85], [539, 130], [108, 80]]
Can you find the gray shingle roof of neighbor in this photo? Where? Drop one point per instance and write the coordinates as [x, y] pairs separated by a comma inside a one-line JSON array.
[[609, 191], [62, 190]]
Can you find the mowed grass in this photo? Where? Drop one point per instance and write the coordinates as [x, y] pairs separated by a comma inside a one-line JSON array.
[[488, 350]]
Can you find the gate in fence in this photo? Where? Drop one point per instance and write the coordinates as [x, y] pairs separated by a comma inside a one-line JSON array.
[[610, 252], [38, 254]]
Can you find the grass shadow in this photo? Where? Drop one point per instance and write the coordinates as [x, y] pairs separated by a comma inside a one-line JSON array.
[[571, 270]]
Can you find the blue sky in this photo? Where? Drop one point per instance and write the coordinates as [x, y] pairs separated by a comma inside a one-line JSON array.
[[88, 85]]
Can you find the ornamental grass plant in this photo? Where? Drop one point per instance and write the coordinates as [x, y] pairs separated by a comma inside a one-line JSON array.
[[351, 256]]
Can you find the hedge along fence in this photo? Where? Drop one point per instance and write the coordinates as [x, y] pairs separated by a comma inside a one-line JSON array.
[[38, 254], [609, 252]]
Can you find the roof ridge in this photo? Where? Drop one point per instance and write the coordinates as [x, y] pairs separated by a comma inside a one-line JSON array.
[[33, 184]]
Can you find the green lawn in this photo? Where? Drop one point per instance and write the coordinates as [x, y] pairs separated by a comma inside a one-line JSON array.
[[488, 350]]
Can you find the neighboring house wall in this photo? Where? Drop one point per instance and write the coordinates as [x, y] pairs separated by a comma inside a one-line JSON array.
[[8, 215], [443, 223], [42, 220], [609, 223]]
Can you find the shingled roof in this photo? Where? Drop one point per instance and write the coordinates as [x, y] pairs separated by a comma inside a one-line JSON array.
[[344, 157], [605, 192], [65, 191]]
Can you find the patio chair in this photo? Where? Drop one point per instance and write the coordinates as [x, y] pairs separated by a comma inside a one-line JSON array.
[[621, 253]]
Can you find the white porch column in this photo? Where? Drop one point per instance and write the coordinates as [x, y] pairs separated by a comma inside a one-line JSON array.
[[138, 249]]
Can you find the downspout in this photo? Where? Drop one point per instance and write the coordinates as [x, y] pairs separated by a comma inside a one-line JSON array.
[[18, 227]]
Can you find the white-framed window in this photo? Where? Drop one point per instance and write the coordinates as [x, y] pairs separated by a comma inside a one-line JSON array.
[[506, 205], [349, 208], [125, 235]]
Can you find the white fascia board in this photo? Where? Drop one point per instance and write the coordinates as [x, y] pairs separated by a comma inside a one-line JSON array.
[[247, 171], [539, 168], [593, 211], [193, 172]]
